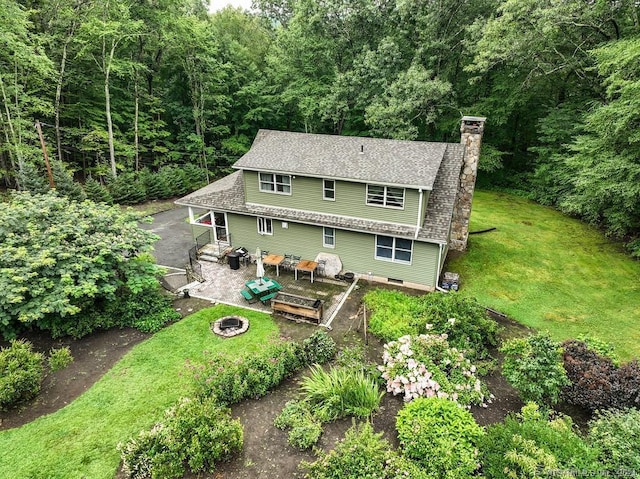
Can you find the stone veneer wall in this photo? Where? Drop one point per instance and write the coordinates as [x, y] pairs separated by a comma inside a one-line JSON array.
[[471, 132]]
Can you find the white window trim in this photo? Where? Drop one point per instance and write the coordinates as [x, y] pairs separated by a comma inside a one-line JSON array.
[[264, 231], [324, 235], [324, 190], [393, 250], [275, 183], [385, 196]]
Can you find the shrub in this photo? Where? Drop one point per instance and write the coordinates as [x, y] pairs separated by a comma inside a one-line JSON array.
[[60, 358], [439, 435], [248, 376], [527, 444], [353, 357], [616, 436], [194, 433], [362, 454], [602, 348], [596, 382], [340, 392], [425, 366], [97, 192], [21, 373], [533, 366], [626, 386], [465, 322], [305, 429], [126, 189], [590, 376], [319, 348]]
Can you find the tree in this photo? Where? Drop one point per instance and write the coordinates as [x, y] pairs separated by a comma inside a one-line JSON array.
[[102, 35], [24, 71], [603, 170], [60, 257]]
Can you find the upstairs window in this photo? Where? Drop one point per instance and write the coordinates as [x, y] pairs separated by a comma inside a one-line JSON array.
[[329, 190], [273, 183], [397, 250], [386, 196]]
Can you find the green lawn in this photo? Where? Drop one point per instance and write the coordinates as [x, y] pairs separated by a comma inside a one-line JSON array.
[[80, 440], [551, 272]]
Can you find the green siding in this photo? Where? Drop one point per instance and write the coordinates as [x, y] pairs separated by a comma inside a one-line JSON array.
[[306, 195], [356, 250]]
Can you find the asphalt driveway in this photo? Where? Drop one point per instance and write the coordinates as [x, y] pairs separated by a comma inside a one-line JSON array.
[[172, 249]]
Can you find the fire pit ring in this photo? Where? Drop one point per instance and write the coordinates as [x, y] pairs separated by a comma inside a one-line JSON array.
[[230, 326]]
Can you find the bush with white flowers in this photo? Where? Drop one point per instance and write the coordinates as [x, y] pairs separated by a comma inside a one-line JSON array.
[[426, 366]]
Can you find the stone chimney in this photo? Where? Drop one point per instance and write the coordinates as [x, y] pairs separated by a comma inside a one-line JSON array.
[[471, 131]]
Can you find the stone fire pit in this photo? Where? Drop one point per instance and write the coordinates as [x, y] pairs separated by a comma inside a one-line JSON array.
[[230, 326]]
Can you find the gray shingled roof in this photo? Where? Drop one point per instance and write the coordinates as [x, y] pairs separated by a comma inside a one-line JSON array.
[[372, 160], [227, 194]]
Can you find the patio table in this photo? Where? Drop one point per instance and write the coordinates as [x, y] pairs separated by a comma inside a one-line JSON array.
[[262, 288], [274, 260], [307, 266]]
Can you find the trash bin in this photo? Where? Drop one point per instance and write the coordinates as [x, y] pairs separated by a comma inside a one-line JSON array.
[[234, 260]]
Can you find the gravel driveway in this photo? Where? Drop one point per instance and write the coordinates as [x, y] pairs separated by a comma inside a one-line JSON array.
[[175, 237]]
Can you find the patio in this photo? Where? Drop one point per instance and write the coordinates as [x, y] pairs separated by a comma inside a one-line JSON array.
[[224, 285]]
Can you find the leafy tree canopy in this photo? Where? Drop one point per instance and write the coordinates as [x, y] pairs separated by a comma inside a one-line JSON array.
[[58, 257]]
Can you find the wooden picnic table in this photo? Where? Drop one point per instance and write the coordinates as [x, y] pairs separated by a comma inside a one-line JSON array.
[[307, 266], [274, 260]]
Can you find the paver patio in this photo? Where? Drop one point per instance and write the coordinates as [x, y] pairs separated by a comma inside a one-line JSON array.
[[223, 285]]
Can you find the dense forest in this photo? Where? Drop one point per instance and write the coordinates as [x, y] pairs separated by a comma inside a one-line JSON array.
[[125, 88]]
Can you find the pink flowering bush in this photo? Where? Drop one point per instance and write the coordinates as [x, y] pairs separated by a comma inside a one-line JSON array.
[[426, 366]]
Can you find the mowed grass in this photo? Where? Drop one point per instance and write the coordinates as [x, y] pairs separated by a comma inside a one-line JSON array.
[[551, 272], [80, 440]]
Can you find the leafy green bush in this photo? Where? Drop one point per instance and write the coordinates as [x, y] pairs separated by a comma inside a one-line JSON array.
[[439, 435], [534, 366], [21, 373], [319, 348], [425, 366], [248, 376], [532, 444], [466, 323], [340, 392], [616, 437], [600, 347], [362, 454], [60, 358], [195, 434], [304, 428], [353, 357]]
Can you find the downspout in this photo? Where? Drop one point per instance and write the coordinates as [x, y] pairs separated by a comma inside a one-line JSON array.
[[191, 218], [439, 269], [418, 222]]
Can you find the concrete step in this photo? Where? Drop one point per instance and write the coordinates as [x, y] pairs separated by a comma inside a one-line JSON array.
[[207, 257]]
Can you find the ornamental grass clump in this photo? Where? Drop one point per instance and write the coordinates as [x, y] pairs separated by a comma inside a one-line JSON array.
[[426, 366], [340, 392]]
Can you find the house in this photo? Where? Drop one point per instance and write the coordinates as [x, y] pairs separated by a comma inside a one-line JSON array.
[[387, 210]]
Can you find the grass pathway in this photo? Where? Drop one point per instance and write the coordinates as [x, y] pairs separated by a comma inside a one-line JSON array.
[[80, 440], [551, 272]]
